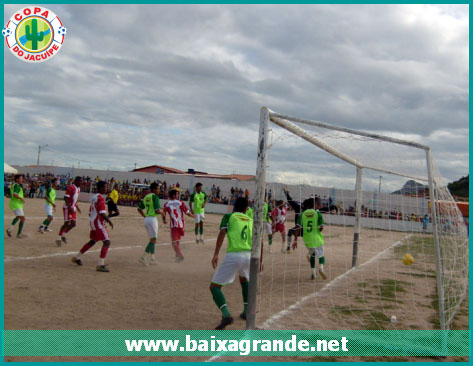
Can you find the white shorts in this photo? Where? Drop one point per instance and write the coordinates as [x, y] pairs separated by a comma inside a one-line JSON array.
[[234, 263], [267, 228], [151, 226], [318, 252], [199, 218], [19, 212], [48, 209]]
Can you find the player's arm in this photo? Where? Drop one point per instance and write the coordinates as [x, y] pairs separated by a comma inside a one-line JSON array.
[[105, 217], [191, 201], [320, 222], [218, 245], [186, 210], [205, 200], [164, 214], [140, 208]]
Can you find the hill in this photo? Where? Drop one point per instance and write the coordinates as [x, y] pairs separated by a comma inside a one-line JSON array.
[[460, 188]]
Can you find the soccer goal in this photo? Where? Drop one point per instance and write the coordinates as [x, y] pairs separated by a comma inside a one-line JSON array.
[[395, 245]]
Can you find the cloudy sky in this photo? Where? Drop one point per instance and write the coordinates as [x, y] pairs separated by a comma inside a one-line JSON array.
[[182, 85]]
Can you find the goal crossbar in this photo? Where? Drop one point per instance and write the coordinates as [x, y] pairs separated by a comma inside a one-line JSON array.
[[285, 122]]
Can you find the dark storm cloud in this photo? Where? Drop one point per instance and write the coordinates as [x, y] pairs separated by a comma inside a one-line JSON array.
[[182, 84]]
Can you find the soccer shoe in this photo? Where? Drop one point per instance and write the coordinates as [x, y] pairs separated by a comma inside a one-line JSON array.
[[288, 250], [322, 274], [64, 240], [243, 316], [58, 242], [142, 260], [20, 236], [76, 261], [40, 230], [197, 241], [152, 262], [224, 323], [312, 276], [270, 248], [179, 259], [102, 269], [48, 230], [202, 241], [9, 232]]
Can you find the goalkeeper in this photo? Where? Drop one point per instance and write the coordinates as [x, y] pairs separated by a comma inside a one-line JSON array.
[[294, 231], [312, 224]]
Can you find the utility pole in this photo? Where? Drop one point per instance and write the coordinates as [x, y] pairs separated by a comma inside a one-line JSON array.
[[379, 188], [39, 153]]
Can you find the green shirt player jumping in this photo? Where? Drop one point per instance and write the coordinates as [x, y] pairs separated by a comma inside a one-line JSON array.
[[16, 205], [49, 206], [312, 224], [197, 203], [238, 229]]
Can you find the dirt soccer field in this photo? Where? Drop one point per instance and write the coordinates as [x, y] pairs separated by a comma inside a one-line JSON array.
[[44, 290]]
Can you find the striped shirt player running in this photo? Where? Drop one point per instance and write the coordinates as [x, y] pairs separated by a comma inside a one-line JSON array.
[[238, 228], [70, 209], [98, 232], [278, 215], [176, 210], [16, 205], [197, 203], [49, 206], [149, 207]]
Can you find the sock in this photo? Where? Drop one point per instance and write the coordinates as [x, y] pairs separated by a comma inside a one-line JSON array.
[[313, 271], [61, 233], [148, 248], [46, 227], [20, 227], [46, 222], [177, 248], [321, 262], [103, 252], [196, 230], [101, 261], [41, 226], [15, 220], [289, 241], [270, 238], [152, 249], [312, 261], [219, 299], [201, 230], [244, 292]]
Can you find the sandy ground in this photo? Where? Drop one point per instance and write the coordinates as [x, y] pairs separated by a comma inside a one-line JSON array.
[[44, 290]]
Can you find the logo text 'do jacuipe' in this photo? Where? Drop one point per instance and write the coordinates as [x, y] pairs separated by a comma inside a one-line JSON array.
[[34, 34]]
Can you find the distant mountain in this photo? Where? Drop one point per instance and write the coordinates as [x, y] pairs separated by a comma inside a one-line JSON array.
[[412, 187], [460, 187]]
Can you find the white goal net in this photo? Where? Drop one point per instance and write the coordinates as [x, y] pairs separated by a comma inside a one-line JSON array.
[[395, 245]]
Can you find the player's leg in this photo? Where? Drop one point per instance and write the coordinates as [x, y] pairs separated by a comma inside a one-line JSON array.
[[151, 225], [20, 226], [103, 253], [224, 275], [201, 228], [244, 275], [18, 213], [269, 231], [176, 243], [244, 291], [77, 258], [319, 251], [49, 217], [311, 258]]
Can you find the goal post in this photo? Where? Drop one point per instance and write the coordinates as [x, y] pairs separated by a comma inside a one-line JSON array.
[[447, 232]]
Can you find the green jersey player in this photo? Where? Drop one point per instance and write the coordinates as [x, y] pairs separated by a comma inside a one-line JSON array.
[[197, 203], [238, 228], [16, 205], [312, 224], [49, 206]]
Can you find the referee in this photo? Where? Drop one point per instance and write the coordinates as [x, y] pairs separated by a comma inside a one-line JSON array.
[[112, 200]]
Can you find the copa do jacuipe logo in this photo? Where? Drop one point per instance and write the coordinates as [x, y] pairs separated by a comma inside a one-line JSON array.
[[34, 34]]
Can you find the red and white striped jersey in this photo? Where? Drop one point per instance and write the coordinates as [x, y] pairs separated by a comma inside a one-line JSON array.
[[176, 210], [97, 206], [279, 215], [72, 194]]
